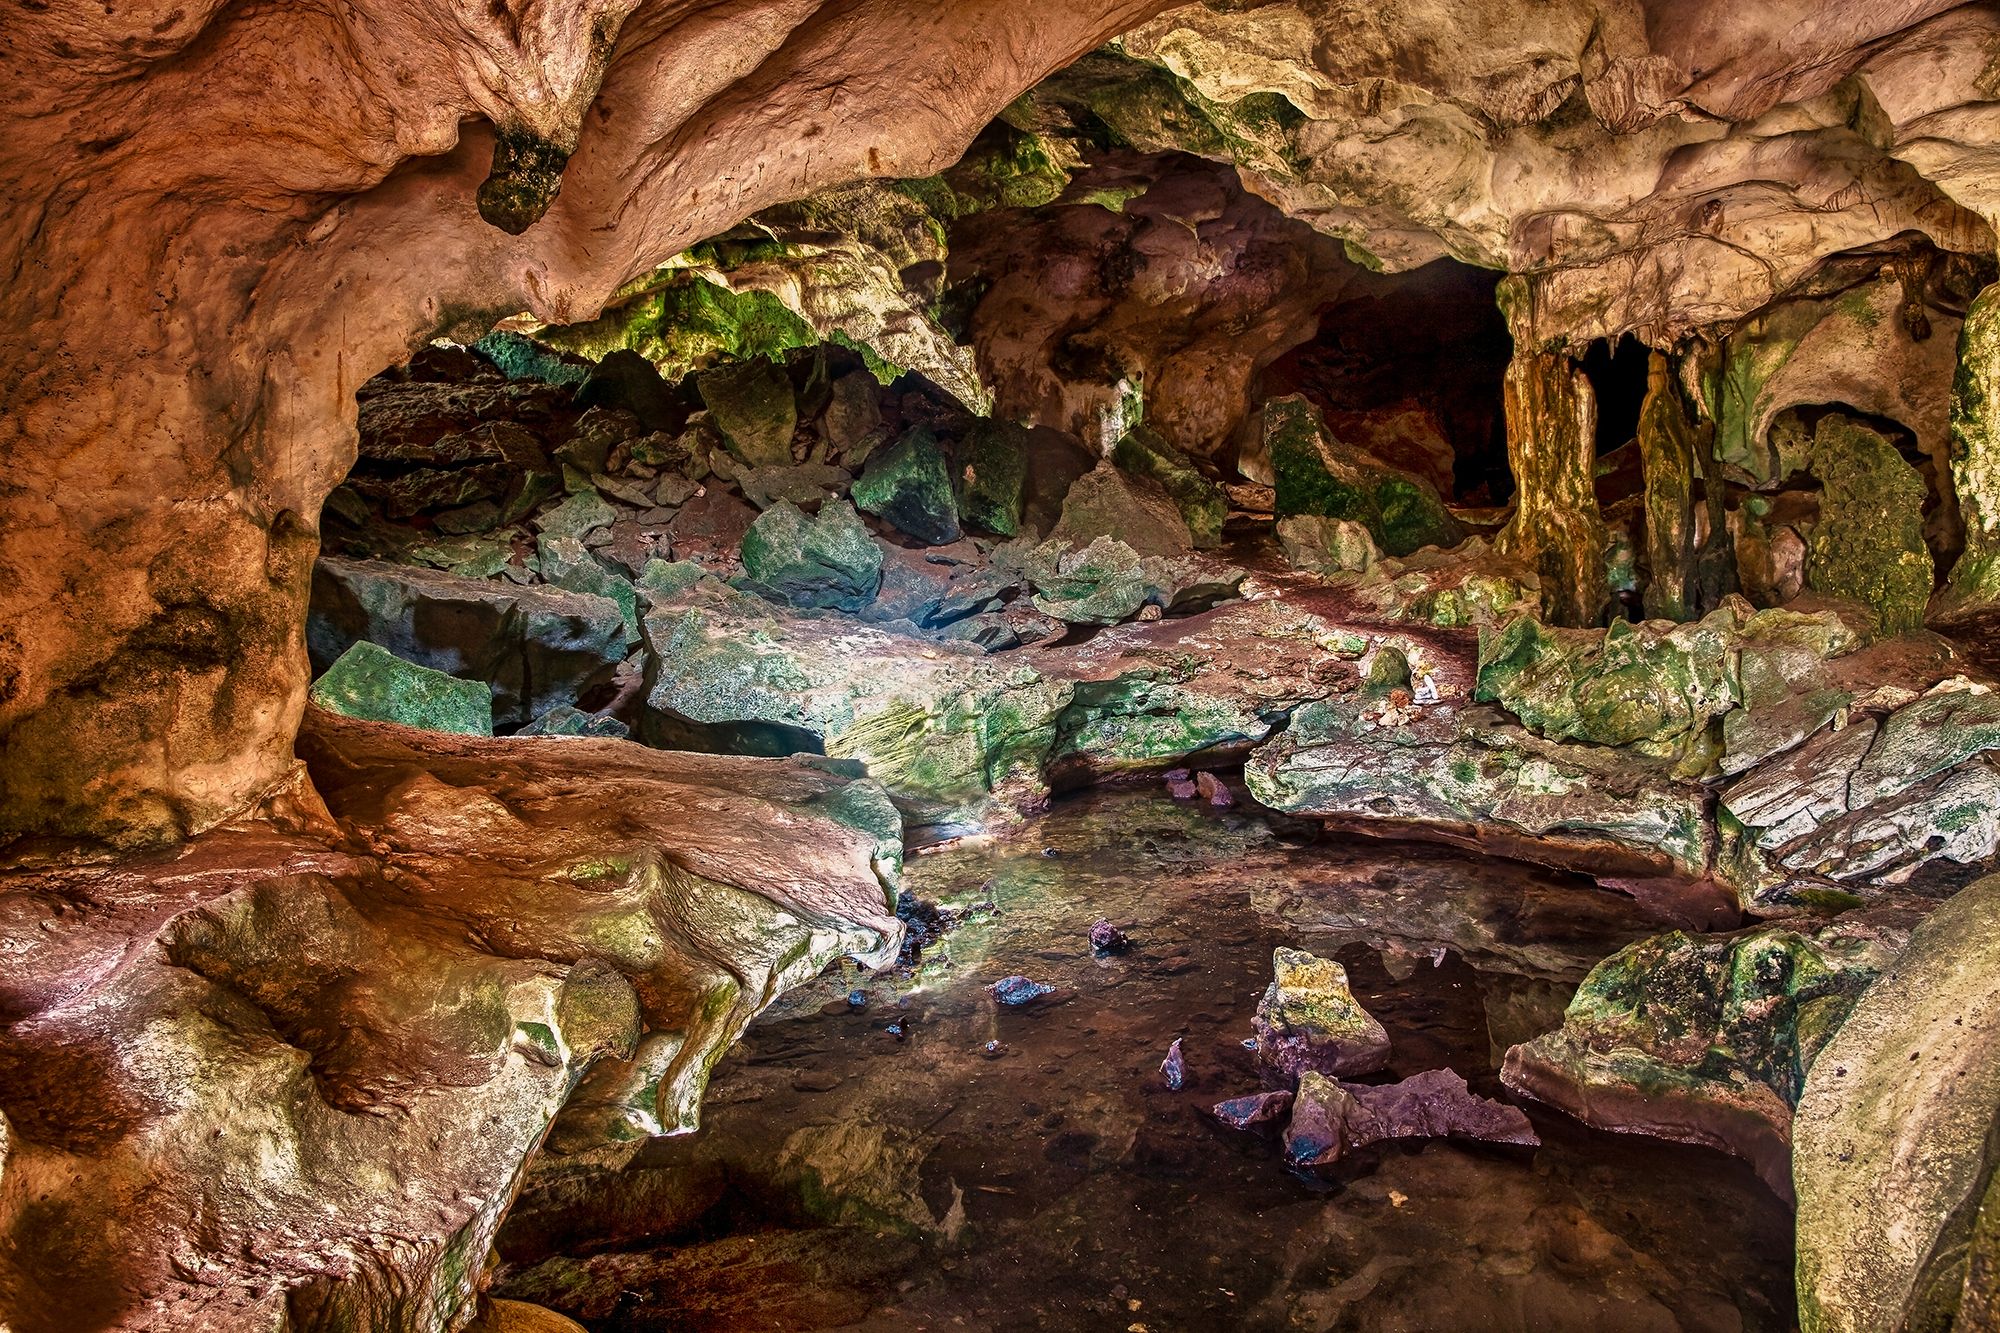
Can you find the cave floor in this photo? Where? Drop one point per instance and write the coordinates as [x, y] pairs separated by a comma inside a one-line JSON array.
[[850, 1178]]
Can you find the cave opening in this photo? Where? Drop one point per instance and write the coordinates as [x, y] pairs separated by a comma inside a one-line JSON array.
[[1410, 367]]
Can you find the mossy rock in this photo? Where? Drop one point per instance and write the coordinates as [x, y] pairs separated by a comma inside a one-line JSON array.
[[992, 477], [828, 560], [1317, 474], [372, 683], [1868, 545], [753, 405], [909, 486], [1201, 501], [1099, 584]]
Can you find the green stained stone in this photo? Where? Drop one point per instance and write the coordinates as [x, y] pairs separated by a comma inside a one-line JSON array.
[[909, 486], [371, 683], [828, 560]]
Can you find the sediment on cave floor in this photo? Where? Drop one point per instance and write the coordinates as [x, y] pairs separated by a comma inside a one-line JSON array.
[[1306, 689]]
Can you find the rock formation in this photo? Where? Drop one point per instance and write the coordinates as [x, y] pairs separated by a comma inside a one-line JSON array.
[[955, 409]]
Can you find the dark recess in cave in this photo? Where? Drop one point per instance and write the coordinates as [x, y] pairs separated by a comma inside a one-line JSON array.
[[1429, 345]]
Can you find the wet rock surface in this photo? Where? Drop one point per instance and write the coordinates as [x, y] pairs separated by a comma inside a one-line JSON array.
[[313, 1088], [1048, 1181]]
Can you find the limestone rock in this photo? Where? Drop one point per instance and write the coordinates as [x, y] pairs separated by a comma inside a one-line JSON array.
[[1869, 542], [909, 486], [1709, 1039], [536, 647], [752, 403], [1320, 545], [828, 560], [1134, 511], [1331, 1119], [1317, 474], [349, 1038], [1099, 584], [626, 380], [372, 683], [1310, 1022], [1893, 1143], [1201, 502], [992, 477], [1552, 449], [1975, 455]]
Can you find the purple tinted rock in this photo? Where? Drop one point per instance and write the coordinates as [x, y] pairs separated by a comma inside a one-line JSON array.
[[1174, 1067], [1019, 990], [1310, 1020], [1180, 786], [1437, 1104], [1259, 1108], [1107, 938], [1212, 790], [1331, 1119]]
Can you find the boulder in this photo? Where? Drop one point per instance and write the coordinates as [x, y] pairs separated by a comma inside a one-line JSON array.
[[1868, 545], [624, 379], [828, 560], [1135, 511], [992, 476], [1317, 474], [908, 485], [752, 404], [1201, 502], [1897, 1136], [1099, 584], [1316, 544], [852, 419], [1309, 1020], [371, 683], [536, 647], [1708, 1039]]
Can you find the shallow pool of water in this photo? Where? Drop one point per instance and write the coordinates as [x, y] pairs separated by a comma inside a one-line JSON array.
[[993, 1168]]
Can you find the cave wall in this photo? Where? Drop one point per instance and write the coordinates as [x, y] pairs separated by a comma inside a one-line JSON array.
[[222, 219]]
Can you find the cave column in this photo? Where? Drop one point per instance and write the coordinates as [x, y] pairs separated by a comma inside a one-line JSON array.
[[1975, 456], [1667, 458], [1552, 448]]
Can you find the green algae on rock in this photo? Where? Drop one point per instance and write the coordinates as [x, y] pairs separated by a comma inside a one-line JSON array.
[[753, 405], [1201, 502], [1868, 544], [992, 476], [1708, 1038], [1309, 1020], [371, 683], [1317, 474], [1315, 544], [909, 486], [1099, 584], [828, 560]]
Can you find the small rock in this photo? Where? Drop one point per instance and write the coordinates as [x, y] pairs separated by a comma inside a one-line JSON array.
[[1212, 790], [1018, 990], [895, 1030], [1309, 1020], [1180, 786], [857, 999], [993, 1050], [1331, 1119], [1259, 1108], [1174, 1067], [1107, 938]]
